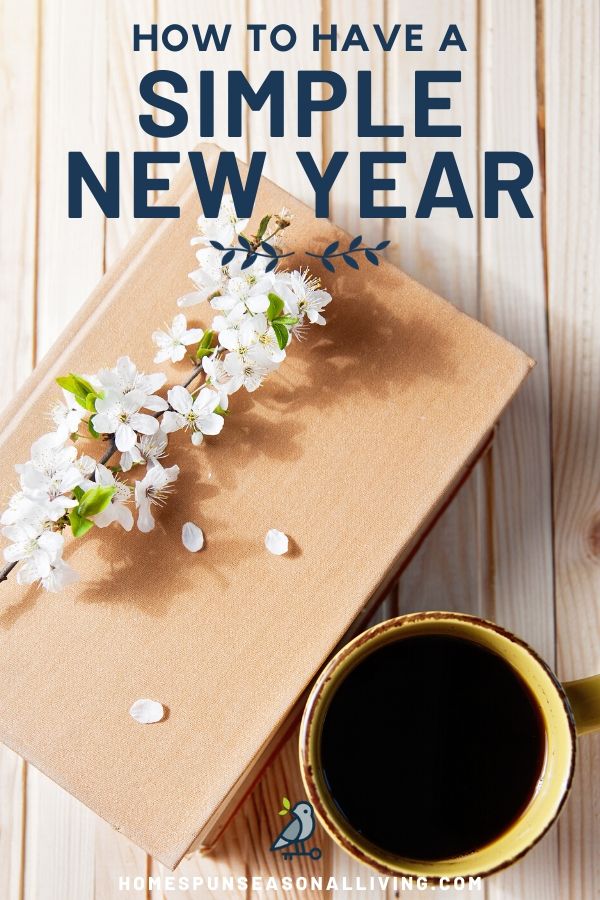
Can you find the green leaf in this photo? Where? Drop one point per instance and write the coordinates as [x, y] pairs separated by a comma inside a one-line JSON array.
[[220, 411], [282, 335], [79, 492], [84, 386], [92, 430], [90, 401], [68, 383], [286, 320], [95, 500], [262, 228], [286, 803], [275, 307], [282, 812], [79, 524], [78, 386], [207, 339], [205, 347]]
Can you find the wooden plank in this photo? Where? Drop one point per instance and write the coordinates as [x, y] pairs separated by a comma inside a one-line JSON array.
[[19, 55], [450, 570], [340, 133], [12, 820], [73, 76], [125, 71], [340, 125], [572, 122], [115, 856], [281, 164], [18, 195], [59, 856], [60, 832], [513, 304], [189, 62]]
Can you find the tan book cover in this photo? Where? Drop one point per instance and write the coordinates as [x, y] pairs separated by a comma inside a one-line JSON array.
[[351, 449]]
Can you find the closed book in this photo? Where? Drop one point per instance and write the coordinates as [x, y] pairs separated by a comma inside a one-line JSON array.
[[351, 449]]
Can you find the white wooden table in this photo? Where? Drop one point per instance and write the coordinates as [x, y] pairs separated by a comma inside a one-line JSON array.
[[522, 542]]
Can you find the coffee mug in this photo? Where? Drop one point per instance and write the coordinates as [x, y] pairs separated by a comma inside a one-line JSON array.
[[563, 711]]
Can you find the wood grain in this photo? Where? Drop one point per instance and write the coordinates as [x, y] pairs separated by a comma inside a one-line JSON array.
[[513, 302], [59, 854], [572, 122], [450, 570], [19, 107]]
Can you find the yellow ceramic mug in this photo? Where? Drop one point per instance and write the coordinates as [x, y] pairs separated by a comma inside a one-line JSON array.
[[566, 710]]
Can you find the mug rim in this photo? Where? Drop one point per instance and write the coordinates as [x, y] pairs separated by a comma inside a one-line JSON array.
[[312, 719]]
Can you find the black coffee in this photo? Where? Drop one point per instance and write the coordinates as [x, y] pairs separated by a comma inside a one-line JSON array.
[[432, 746]]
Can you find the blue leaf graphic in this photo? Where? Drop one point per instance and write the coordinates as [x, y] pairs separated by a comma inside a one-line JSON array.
[[350, 261], [269, 249], [271, 265], [382, 245], [217, 245], [355, 242], [328, 265], [248, 261], [331, 249], [371, 257], [228, 257], [244, 242]]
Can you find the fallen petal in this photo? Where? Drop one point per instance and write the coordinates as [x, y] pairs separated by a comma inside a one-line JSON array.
[[146, 712], [276, 542], [192, 537]]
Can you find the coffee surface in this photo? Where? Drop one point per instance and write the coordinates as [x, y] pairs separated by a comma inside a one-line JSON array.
[[432, 746]]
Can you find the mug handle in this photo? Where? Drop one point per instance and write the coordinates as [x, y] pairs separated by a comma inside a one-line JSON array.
[[584, 698]]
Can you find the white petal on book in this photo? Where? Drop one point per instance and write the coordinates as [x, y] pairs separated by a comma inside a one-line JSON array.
[[192, 537], [146, 712], [276, 542]]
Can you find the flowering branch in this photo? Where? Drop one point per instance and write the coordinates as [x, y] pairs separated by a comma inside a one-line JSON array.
[[258, 311]]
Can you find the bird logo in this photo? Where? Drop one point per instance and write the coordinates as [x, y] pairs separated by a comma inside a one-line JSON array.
[[292, 839]]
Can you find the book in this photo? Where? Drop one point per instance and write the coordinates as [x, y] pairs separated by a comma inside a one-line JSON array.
[[351, 449]]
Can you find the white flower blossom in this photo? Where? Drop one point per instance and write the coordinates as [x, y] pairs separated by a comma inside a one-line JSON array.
[[148, 449], [27, 510], [125, 379], [172, 342], [67, 416], [120, 415], [303, 295], [248, 369], [264, 337], [153, 489], [37, 551], [51, 473], [210, 278], [219, 379], [196, 414], [224, 229], [250, 288], [60, 575]]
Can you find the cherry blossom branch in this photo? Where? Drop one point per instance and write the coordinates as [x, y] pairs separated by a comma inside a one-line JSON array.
[[112, 448], [259, 309], [110, 452], [6, 571]]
